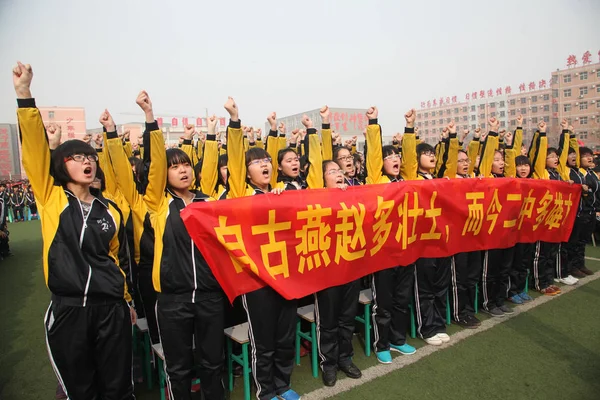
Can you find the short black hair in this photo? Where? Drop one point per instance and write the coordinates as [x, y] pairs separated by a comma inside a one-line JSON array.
[[522, 160], [571, 150], [256, 153], [60, 155], [424, 148], [584, 151], [552, 150], [283, 152], [388, 150], [326, 163], [177, 156]]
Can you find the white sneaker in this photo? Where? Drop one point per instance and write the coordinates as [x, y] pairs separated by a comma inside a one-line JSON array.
[[434, 341], [567, 281], [572, 279], [443, 337]]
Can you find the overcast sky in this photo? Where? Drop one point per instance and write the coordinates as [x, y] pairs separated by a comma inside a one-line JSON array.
[[283, 56]]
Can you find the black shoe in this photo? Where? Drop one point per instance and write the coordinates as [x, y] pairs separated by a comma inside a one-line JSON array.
[[506, 309], [586, 271], [494, 312], [578, 274], [473, 319], [466, 323], [330, 377], [351, 371]]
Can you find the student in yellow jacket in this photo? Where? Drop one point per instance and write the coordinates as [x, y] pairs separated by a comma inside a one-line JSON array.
[[391, 288], [84, 259], [271, 318], [190, 301]]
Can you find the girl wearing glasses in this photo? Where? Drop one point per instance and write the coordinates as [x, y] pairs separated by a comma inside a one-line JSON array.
[[391, 288], [271, 318], [89, 278]]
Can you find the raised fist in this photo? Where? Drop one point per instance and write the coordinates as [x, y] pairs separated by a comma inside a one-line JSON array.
[[354, 139], [87, 138], [272, 120], [126, 134], [232, 109], [463, 135], [53, 132], [410, 117], [107, 121], [188, 132], [325, 115], [445, 133], [143, 100], [22, 76], [307, 122], [282, 128], [502, 133], [97, 140], [542, 127], [494, 124], [452, 128], [564, 124], [477, 133], [212, 124], [251, 135], [372, 113], [508, 138], [294, 136], [520, 120]]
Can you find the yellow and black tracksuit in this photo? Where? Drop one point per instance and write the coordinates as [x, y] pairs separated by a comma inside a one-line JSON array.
[[432, 275], [271, 318], [190, 301], [392, 288], [143, 233], [85, 256], [497, 263], [335, 307]]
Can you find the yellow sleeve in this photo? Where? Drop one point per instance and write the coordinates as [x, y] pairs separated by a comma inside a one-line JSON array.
[[259, 143], [246, 144], [563, 154], [574, 144], [353, 151], [450, 159], [122, 170], [157, 167], [199, 149], [473, 152], [374, 156], [327, 142], [518, 140], [210, 166], [538, 160], [410, 164], [273, 149], [533, 146], [236, 160], [188, 148], [109, 175], [141, 147], [35, 150], [511, 152], [313, 151], [440, 150], [128, 148], [487, 158]]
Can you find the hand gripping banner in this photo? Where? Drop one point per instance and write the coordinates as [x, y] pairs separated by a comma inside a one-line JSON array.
[[304, 241]]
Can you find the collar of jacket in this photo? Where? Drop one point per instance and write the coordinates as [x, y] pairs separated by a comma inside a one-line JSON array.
[[258, 190], [286, 179], [394, 178], [95, 192], [198, 195]]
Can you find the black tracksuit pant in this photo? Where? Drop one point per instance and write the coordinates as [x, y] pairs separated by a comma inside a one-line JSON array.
[[33, 209], [432, 278], [544, 264], [18, 213], [392, 290], [90, 347], [495, 276], [272, 333], [522, 262], [466, 271], [179, 324], [584, 227], [147, 296], [335, 309]]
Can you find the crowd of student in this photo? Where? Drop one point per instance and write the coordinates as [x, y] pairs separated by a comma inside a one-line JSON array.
[[15, 201], [115, 244]]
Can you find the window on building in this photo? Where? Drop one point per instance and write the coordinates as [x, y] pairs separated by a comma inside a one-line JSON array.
[[598, 104], [547, 107], [583, 90], [534, 99], [598, 73], [523, 100], [567, 93], [481, 116], [483, 125], [472, 108], [554, 93], [474, 117], [456, 110], [426, 115], [513, 122], [465, 118], [554, 108], [512, 102], [583, 120], [534, 120], [419, 116], [583, 105], [426, 123], [51, 114], [433, 122], [502, 124], [567, 107], [482, 106], [456, 119], [441, 121], [473, 126], [502, 114], [546, 119], [513, 112], [448, 120], [465, 109], [534, 109], [492, 105], [502, 104], [583, 76], [523, 111], [567, 78], [448, 111], [546, 97], [583, 135], [554, 79], [598, 89], [433, 113], [465, 126]]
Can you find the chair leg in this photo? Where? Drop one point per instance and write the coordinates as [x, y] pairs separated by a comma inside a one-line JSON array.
[[298, 327], [313, 347], [448, 313], [476, 305], [161, 378], [367, 318], [413, 327], [229, 365], [147, 358], [246, 371], [527, 282]]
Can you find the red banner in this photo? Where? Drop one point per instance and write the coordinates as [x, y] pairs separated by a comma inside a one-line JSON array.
[[301, 242]]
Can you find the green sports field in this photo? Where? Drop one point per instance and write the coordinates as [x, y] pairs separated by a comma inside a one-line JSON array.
[[549, 352]]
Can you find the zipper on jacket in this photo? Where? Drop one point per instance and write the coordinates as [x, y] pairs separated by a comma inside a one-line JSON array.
[[85, 217], [194, 268]]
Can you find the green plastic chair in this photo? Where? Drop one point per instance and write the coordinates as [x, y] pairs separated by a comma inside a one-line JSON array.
[[141, 335], [307, 313], [160, 367], [238, 334]]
